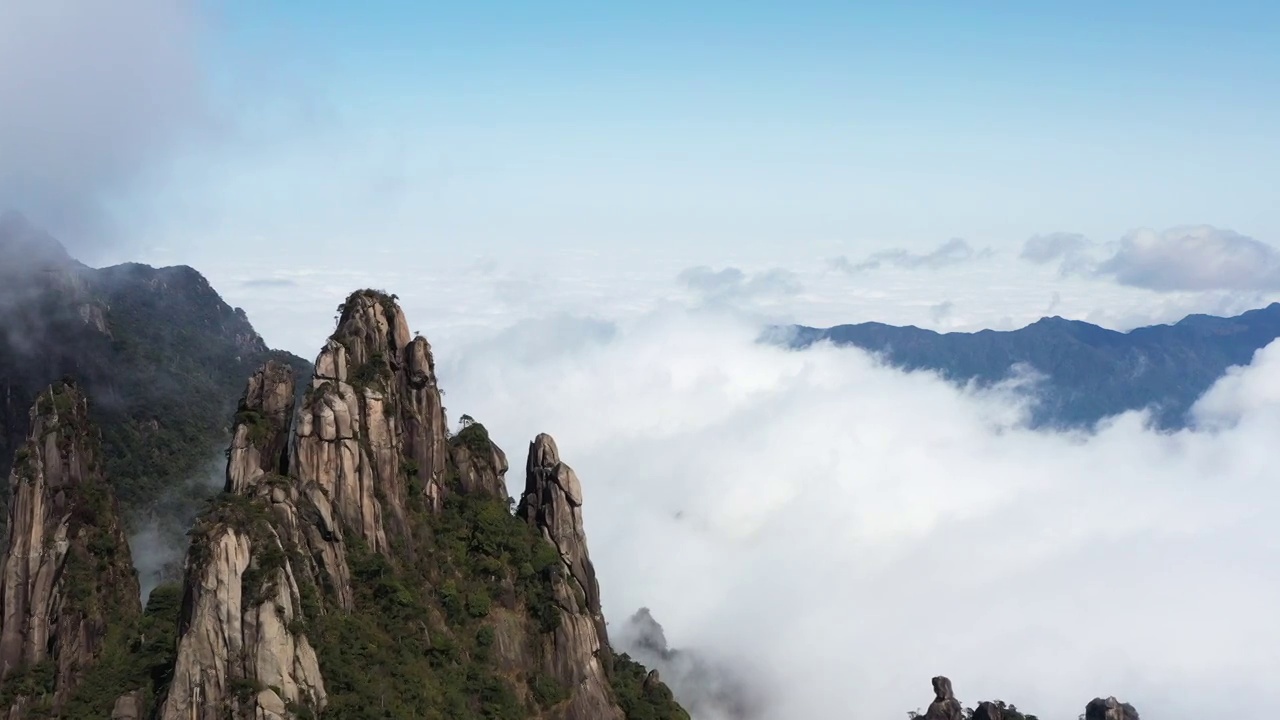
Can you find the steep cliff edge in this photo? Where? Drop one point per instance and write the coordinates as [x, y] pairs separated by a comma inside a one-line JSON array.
[[70, 595], [364, 560]]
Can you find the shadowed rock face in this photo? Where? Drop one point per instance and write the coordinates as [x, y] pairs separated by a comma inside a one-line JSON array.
[[576, 653], [1109, 709], [67, 574]]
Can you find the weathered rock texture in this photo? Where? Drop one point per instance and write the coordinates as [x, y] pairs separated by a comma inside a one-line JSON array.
[[361, 560], [371, 419], [577, 652], [239, 653], [67, 574]]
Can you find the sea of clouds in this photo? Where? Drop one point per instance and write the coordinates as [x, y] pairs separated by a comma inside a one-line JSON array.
[[837, 532]]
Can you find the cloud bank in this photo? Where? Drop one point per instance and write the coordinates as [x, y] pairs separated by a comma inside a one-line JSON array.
[[851, 530], [952, 252], [94, 94], [1189, 258], [732, 283]]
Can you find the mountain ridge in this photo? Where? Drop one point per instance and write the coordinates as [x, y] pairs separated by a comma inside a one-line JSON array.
[[157, 352], [1086, 372]]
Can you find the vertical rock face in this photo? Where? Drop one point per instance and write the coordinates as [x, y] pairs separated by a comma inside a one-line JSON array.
[[371, 418], [262, 427], [241, 653], [577, 652], [67, 571]]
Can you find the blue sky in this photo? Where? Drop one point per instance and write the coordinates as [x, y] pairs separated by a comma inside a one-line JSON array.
[[726, 130], [746, 134]]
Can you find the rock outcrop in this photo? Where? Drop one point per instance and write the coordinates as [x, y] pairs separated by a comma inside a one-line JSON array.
[[241, 653], [67, 575], [578, 650], [945, 705], [372, 419], [1109, 709]]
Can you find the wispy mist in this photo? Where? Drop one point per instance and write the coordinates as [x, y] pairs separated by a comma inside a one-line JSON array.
[[159, 541], [94, 95]]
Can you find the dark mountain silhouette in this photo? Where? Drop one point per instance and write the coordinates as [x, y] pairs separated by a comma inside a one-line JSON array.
[[159, 355], [1089, 372]]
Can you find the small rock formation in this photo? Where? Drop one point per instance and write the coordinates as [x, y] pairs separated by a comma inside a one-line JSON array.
[[371, 418], [577, 651], [988, 711], [240, 651], [1109, 709], [67, 573], [480, 464], [944, 705]]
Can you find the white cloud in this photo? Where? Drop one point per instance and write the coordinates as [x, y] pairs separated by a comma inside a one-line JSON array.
[[1199, 257], [952, 252], [1194, 258], [854, 530]]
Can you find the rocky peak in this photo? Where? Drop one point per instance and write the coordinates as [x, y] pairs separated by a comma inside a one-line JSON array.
[[372, 420], [944, 705], [577, 654], [481, 466], [1109, 709], [67, 575], [264, 544]]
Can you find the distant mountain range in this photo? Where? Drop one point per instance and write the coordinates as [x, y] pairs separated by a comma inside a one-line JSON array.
[[1089, 372]]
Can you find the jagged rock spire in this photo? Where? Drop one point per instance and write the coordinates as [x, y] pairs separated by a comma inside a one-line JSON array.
[[261, 428], [67, 571], [250, 554], [372, 418], [578, 651]]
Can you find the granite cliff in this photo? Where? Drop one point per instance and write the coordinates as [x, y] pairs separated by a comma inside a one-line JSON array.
[[364, 557], [70, 594]]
